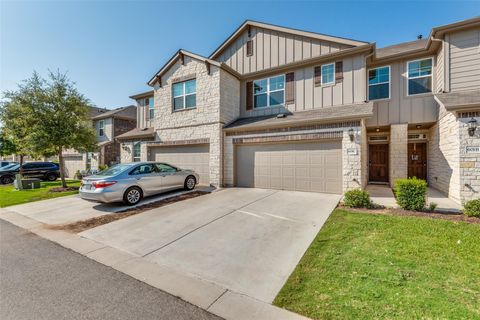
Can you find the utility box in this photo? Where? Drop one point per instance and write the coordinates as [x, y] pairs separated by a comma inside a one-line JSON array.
[[26, 184]]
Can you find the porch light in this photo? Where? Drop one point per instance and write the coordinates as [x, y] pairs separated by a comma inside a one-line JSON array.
[[351, 134], [472, 126]]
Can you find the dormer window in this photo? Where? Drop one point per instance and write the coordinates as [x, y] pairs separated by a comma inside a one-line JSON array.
[[101, 128], [184, 95]]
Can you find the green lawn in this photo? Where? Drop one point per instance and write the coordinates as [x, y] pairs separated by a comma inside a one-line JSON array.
[[9, 196], [365, 266]]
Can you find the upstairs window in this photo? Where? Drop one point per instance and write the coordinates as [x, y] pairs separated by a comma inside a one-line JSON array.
[[151, 108], [101, 128], [379, 83], [269, 92], [184, 95], [136, 151], [419, 76], [328, 74]]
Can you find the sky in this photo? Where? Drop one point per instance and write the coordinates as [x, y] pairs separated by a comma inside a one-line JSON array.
[[110, 49]]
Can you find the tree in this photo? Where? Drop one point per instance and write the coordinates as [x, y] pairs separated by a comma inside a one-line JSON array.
[[48, 117], [18, 116]]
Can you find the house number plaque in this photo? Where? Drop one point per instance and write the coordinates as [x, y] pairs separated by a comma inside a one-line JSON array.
[[470, 149]]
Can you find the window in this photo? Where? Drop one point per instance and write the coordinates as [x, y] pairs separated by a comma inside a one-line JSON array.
[[419, 76], [151, 108], [269, 92], [184, 95], [136, 152], [143, 169], [101, 128], [328, 73], [163, 167], [379, 83]]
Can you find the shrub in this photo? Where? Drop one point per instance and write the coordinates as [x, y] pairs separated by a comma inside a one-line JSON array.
[[78, 175], [102, 167], [472, 208], [411, 193], [357, 198], [432, 206]]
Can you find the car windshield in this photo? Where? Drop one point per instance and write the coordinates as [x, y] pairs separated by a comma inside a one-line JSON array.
[[12, 166], [116, 169]]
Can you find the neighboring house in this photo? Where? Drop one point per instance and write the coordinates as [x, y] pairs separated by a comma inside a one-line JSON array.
[[281, 108], [108, 124]]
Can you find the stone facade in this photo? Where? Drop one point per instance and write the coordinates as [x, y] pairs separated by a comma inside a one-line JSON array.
[[469, 161], [398, 152]]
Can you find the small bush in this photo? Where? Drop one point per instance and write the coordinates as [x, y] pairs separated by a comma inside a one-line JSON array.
[[411, 193], [102, 167], [432, 206], [472, 208], [357, 198], [78, 175]]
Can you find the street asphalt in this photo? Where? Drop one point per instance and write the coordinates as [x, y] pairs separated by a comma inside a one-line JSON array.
[[42, 280]]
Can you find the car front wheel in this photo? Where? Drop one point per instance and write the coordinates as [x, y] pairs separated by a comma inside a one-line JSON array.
[[51, 177], [190, 183], [132, 196], [6, 180]]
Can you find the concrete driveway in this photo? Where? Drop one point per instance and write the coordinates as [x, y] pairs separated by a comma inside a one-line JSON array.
[[246, 240]]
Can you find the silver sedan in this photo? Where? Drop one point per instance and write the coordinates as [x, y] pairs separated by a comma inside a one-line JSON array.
[[130, 182]]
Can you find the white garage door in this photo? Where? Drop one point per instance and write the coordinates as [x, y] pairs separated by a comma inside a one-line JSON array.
[[313, 167], [186, 157], [72, 164]]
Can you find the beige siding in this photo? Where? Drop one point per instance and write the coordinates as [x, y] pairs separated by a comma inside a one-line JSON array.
[[307, 96], [401, 108], [439, 71], [272, 49], [464, 52]]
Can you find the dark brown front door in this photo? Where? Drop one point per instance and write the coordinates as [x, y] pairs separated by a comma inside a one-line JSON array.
[[378, 162], [417, 160]]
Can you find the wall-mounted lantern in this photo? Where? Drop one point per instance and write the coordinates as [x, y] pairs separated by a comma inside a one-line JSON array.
[[351, 134], [472, 126]]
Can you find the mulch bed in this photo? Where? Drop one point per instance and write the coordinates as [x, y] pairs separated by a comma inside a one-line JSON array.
[[433, 215], [79, 226], [62, 189]]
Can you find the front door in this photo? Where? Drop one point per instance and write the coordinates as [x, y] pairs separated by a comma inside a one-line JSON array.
[[417, 160], [378, 163]]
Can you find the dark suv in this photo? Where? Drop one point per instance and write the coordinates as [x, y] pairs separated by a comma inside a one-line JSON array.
[[43, 170]]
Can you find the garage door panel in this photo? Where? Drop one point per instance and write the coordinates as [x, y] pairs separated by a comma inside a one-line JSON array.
[[196, 158], [294, 166]]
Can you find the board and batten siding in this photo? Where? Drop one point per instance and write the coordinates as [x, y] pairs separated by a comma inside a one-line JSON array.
[[401, 108], [272, 49], [464, 54], [439, 70], [351, 90]]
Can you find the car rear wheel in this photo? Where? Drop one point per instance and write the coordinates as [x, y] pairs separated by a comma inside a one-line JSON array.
[[190, 183], [132, 196], [6, 180], [51, 177]]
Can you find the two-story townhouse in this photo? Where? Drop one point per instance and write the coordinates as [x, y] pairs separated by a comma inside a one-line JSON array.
[[108, 124], [280, 108]]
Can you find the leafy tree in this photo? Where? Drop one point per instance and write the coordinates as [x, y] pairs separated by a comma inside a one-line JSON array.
[[7, 147], [47, 117]]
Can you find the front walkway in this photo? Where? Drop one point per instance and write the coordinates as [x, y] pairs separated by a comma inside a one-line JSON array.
[[383, 195]]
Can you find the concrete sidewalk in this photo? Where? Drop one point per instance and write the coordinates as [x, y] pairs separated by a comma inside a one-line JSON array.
[[383, 195]]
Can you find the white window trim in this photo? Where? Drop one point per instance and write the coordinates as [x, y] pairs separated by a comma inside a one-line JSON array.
[[389, 83], [268, 92], [101, 128], [133, 152], [151, 109], [184, 96], [321, 78], [417, 77]]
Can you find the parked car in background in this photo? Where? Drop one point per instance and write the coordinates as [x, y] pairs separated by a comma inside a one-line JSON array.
[[130, 182], [48, 171], [6, 163]]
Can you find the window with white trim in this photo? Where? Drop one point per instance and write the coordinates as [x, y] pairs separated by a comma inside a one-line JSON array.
[[184, 95], [151, 108], [419, 76], [328, 74], [101, 128], [136, 151], [269, 92], [379, 83]]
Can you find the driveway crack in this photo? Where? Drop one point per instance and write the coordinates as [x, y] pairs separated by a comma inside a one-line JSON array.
[[210, 222]]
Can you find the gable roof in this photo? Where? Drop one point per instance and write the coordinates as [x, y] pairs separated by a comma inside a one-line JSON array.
[[177, 56], [401, 48], [128, 112], [95, 111], [293, 31]]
